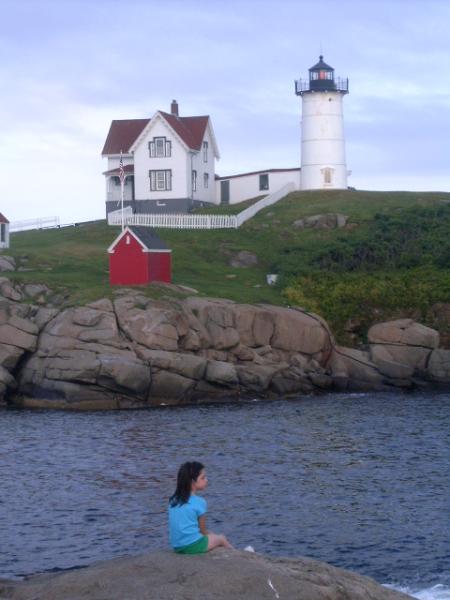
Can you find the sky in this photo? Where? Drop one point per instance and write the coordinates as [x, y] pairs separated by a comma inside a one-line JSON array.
[[69, 67]]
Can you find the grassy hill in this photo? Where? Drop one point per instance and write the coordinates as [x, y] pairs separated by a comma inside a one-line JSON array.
[[392, 258]]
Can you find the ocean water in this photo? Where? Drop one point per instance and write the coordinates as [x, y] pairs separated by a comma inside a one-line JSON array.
[[357, 480]]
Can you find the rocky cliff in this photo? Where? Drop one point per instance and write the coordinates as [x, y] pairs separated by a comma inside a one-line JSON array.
[[219, 575], [139, 352]]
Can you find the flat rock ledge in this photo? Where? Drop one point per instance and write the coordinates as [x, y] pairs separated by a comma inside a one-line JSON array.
[[219, 575], [138, 352]]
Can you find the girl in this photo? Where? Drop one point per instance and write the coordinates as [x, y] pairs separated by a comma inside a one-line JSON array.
[[187, 521]]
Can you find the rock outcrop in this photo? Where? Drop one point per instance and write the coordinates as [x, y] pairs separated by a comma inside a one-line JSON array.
[[218, 575], [140, 352], [324, 221]]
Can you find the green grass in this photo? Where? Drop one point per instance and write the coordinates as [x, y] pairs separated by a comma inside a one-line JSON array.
[[317, 268]]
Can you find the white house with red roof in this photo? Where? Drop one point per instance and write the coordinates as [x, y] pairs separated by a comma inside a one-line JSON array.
[[169, 162], [4, 232]]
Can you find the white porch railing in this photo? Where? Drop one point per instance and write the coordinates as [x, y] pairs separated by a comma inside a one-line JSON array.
[[181, 221], [42, 223]]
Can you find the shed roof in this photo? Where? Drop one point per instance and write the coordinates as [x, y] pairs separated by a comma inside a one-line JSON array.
[[148, 238]]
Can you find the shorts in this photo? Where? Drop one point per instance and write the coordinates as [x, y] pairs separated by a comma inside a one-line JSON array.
[[198, 547]]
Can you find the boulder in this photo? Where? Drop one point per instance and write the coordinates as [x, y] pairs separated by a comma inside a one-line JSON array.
[[291, 381], [170, 388], [256, 378], [296, 331], [222, 373], [187, 365], [386, 364], [353, 369], [323, 221], [16, 331], [244, 259], [7, 263], [408, 360], [9, 356], [439, 366], [153, 326], [82, 361], [221, 574], [33, 290], [9, 291], [403, 331]]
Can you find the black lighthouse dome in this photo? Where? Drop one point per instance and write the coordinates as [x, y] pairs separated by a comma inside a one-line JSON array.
[[321, 79], [321, 76]]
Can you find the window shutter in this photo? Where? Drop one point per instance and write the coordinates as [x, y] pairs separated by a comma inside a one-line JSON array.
[[168, 179], [168, 148]]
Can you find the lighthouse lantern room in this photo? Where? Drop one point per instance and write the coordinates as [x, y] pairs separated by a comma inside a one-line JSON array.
[[323, 143]]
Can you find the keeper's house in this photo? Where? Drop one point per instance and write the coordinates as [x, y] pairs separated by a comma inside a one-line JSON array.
[[169, 162], [4, 232], [169, 166], [138, 256]]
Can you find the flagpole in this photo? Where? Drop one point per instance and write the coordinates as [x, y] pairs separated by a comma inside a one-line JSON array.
[[122, 179]]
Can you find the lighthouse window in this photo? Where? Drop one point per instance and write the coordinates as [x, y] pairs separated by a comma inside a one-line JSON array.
[[264, 181]]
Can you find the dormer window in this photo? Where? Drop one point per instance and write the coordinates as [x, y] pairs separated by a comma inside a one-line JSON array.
[[159, 147], [205, 151]]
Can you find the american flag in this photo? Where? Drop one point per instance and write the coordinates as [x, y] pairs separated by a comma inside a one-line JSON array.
[[121, 171]]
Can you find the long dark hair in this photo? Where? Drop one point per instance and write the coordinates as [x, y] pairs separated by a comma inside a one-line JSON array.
[[187, 473]]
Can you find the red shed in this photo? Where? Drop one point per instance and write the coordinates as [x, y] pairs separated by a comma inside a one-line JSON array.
[[138, 256]]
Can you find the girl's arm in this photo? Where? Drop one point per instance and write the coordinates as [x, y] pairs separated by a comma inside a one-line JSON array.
[[202, 525]]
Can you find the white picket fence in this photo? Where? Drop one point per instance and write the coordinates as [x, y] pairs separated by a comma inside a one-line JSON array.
[[182, 221], [42, 223]]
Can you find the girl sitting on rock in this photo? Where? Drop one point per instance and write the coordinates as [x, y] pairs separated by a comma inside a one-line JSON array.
[[187, 521]]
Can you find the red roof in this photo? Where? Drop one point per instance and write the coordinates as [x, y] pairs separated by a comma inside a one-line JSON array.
[[127, 169], [122, 134], [3, 219], [190, 129]]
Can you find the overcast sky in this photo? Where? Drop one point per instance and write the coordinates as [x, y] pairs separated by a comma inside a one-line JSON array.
[[71, 66]]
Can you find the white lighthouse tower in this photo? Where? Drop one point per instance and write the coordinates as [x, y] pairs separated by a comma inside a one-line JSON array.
[[323, 142]]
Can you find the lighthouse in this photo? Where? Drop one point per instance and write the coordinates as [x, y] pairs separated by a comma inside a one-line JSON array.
[[323, 142]]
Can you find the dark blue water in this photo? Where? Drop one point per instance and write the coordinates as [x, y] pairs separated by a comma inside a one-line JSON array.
[[359, 481]]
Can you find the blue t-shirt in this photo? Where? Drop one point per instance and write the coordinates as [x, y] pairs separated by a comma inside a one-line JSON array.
[[183, 522]]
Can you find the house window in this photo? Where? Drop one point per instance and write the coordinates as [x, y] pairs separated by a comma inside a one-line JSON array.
[[159, 147], [2, 232], [264, 181], [160, 180], [116, 180], [205, 151], [205, 180], [194, 181]]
